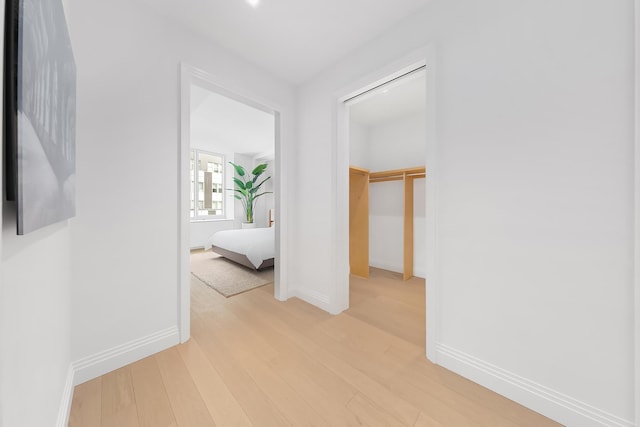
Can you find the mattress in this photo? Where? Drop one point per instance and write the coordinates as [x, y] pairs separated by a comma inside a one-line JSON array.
[[257, 244]]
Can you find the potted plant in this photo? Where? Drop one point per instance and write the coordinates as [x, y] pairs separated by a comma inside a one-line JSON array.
[[248, 190]]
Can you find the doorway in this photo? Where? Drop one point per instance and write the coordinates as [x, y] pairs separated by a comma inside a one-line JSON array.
[[232, 208], [387, 151], [230, 145], [366, 86]]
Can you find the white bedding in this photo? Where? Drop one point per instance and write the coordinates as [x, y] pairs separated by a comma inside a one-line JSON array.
[[258, 244]]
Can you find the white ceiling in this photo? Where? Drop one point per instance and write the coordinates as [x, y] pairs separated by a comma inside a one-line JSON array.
[[392, 101], [293, 39], [229, 126]]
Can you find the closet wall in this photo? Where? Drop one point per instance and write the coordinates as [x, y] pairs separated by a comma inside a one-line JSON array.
[[392, 144]]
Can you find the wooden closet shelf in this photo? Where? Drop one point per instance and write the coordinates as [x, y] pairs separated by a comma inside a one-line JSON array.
[[397, 174], [358, 170], [359, 180]]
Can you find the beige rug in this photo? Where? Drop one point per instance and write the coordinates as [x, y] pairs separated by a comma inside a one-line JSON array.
[[227, 277]]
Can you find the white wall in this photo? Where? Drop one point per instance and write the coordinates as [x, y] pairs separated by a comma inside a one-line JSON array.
[[397, 143], [266, 202], [35, 326], [247, 163], [201, 231], [35, 319], [358, 138], [124, 239], [386, 226], [534, 113]]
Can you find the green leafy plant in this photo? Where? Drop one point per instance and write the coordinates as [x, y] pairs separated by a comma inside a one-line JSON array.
[[247, 191]]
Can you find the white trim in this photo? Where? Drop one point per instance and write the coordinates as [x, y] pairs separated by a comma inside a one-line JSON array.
[[339, 298], [396, 268], [108, 360], [339, 295], [281, 220], [67, 399], [116, 357], [318, 299], [432, 273], [636, 255], [385, 266], [546, 401], [184, 282], [190, 75]]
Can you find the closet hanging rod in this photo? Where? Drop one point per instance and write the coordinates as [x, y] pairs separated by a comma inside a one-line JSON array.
[[396, 178], [395, 79]]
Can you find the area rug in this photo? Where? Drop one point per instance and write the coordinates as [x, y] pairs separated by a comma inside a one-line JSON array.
[[227, 277]]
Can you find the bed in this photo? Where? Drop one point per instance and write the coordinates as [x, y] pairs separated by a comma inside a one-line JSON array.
[[252, 247]]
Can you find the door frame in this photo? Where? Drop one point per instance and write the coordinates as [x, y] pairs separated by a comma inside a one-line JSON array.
[[636, 245], [191, 75], [423, 57]]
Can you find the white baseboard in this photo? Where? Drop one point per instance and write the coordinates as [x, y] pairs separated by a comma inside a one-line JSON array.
[[106, 361], [397, 269], [553, 404], [315, 298], [67, 398], [420, 273], [383, 266]]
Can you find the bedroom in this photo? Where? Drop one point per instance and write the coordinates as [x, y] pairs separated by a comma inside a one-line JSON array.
[[231, 186]]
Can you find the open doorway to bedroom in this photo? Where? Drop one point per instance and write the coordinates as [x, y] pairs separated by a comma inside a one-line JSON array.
[[232, 204], [387, 205], [229, 194]]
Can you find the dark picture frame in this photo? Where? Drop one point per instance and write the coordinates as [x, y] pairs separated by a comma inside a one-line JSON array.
[[39, 113]]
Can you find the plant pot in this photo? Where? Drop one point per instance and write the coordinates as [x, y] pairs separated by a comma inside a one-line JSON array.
[[246, 225]]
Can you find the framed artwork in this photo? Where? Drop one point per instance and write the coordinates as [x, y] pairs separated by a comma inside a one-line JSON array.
[[39, 113]]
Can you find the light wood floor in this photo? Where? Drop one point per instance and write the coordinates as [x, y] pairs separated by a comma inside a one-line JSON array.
[[255, 361]]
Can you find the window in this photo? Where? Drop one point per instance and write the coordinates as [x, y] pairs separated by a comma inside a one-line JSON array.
[[206, 171]]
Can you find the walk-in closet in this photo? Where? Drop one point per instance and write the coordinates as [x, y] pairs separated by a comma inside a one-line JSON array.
[[387, 142]]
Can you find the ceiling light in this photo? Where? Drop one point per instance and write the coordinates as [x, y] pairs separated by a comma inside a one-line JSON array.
[[385, 91], [253, 3]]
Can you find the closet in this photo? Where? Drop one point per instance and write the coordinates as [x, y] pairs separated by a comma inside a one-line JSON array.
[[359, 181]]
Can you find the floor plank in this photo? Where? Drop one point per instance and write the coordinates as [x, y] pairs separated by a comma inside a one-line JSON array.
[[426, 421], [186, 402], [396, 317], [154, 409], [86, 407], [118, 401], [370, 414], [221, 404], [255, 403]]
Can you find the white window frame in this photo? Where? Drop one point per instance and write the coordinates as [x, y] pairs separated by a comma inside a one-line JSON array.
[[196, 153]]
